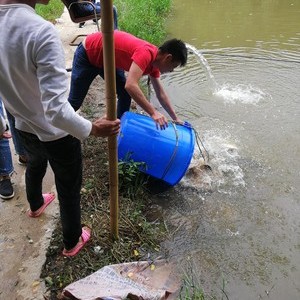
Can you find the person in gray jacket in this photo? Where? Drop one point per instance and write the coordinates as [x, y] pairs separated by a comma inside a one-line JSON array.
[[34, 89]]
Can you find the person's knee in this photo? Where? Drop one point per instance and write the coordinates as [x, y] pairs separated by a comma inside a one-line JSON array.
[[37, 162]]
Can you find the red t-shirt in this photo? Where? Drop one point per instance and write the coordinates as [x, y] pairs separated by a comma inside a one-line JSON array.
[[128, 48]]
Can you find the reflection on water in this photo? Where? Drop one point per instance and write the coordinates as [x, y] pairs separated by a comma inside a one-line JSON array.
[[240, 221], [267, 24]]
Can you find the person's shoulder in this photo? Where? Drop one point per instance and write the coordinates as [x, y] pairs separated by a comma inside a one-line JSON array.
[[27, 23], [27, 16], [149, 50], [22, 10]]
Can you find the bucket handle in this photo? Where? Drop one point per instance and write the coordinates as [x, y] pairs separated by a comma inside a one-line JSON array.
[[174, 152], [187, 124], [203, 151]]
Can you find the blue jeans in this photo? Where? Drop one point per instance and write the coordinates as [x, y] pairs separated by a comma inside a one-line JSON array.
[[83, 74], [6, 164], [64, 156], [15, 135]]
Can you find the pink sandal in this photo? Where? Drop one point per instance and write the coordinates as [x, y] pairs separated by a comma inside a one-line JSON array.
[[48, 198], [85, 236]]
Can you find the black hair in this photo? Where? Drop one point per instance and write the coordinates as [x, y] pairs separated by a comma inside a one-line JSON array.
[[177, 48]]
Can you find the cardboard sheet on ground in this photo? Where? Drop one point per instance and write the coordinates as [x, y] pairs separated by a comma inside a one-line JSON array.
[[135, 280]]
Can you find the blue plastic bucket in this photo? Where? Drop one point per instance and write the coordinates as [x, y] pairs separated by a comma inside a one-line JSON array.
[[166, 153]]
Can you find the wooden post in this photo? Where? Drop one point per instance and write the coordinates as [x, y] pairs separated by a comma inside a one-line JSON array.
[[107, 29]]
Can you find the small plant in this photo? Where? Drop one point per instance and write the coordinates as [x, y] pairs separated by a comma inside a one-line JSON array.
[[190, 291], [131, 180]]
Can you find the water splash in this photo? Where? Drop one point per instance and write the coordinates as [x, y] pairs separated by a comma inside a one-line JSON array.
[[240, 93], [210, 77], [226, 174]]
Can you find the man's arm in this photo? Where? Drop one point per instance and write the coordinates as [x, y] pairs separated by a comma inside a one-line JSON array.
[[163, 98], [133, 89]]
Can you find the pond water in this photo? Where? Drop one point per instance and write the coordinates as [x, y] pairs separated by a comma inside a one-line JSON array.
[[240, 91]]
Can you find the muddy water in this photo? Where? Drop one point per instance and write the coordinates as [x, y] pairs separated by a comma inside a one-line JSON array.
[[240, 222]]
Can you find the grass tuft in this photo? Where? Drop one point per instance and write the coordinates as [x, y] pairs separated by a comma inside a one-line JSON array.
[[50, 12]]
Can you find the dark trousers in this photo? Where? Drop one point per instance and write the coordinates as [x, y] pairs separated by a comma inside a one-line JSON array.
[[83, 74], [64, 156]]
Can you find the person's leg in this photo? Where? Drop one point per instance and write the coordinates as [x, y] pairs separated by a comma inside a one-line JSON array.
[[124, 99], [65, 159], [19, 148], [6, 167], [6, 164], [66, 162], [36, 169], [98, 11], [115, 12], [83, 74]]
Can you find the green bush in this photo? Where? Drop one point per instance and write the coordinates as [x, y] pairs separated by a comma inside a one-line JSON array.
[[144, 18], [50, 12]]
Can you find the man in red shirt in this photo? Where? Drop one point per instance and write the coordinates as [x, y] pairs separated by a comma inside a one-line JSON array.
[[138, 58]]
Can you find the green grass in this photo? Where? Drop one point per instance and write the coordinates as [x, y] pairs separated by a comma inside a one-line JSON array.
[[50, 12], [131, 180], [144, 18]]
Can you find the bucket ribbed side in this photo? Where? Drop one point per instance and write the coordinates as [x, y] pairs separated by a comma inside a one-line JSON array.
[[167, 153]]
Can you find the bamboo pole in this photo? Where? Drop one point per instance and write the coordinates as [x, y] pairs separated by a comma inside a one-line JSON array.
[[110, 95]]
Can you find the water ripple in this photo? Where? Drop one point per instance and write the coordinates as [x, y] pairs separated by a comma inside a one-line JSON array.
[[241, 93]]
